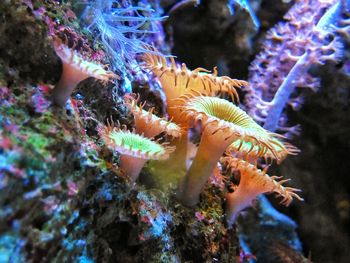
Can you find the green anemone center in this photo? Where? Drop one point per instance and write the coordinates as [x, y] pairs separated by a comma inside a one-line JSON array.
[[135, 142], [224, 110]]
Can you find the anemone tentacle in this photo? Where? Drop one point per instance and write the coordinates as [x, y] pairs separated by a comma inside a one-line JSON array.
[[178, 80], [254, 182], [149, 124]]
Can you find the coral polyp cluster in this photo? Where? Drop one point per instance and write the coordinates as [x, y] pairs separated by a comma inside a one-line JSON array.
[[223, 124], [192, 102], [178, 80], [132, 155]]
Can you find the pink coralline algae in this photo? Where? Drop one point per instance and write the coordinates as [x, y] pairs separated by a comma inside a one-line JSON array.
[[199, 216], [40, 103]]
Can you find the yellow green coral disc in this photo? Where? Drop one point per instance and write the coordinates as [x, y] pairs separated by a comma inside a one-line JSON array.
[[136, 145], [251, 137]]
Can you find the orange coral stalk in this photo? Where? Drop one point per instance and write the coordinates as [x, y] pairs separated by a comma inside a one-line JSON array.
[[134, 149], [254, 182], [75, 69], [211, 148]]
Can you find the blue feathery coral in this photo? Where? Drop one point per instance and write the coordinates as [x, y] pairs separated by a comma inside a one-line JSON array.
[[123, 29]]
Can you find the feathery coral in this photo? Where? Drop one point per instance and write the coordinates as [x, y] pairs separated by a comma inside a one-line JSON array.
[[254, 182], [291, 48], [123, 29], [135, 149], [75, 69]]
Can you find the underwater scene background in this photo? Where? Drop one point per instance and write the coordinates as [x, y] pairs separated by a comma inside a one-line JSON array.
[[159, 131]]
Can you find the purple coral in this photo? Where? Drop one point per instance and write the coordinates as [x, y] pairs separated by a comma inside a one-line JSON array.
[[291, 48]]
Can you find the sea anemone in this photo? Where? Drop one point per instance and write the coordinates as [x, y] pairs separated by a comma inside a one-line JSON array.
[[253, 182], [134, 149], [75, 69], [223, 124], [178, 80], [147, 123]]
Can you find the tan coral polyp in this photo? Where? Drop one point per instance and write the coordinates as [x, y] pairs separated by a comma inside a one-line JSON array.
[[178, 80], [253, 182], [228, 116], [133, 158], [223, 123], [75, 69], [147, 123], [213, 144]]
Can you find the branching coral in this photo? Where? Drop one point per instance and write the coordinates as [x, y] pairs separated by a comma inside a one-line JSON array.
[[254, 182], [134, 149], [75, 69], [223, 123], [307, 38]]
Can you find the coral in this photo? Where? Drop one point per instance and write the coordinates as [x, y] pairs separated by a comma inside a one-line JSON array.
[[75, 69], [223, 123], [178, 80], [218, 114], [135, 149], [121, 28], [147, 123], [65, 195], [307, 38], [254, 182]]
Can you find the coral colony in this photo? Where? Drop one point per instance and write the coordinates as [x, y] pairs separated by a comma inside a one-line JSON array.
[[201, 140]]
